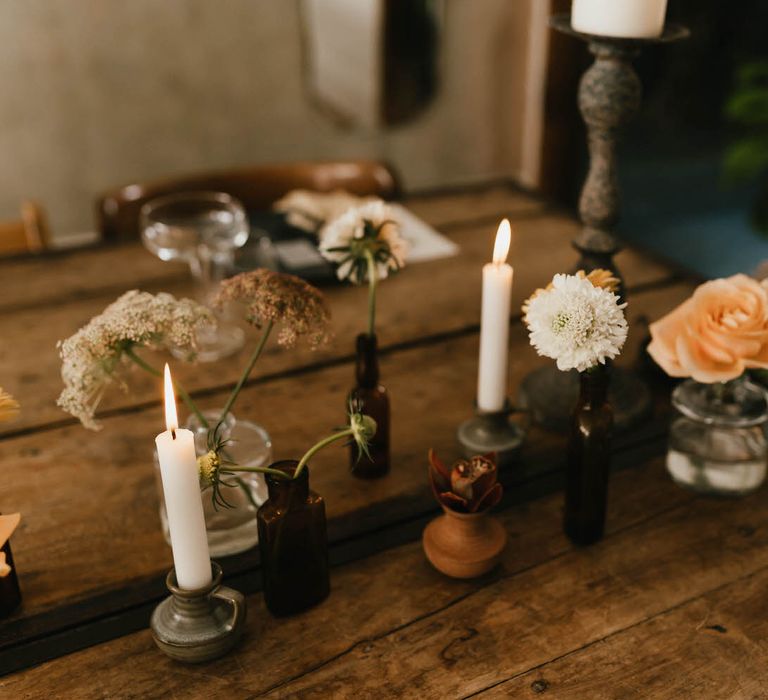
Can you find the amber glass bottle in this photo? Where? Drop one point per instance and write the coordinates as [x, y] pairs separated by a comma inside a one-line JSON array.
[[589, 459], [293, 543], [370, 398]]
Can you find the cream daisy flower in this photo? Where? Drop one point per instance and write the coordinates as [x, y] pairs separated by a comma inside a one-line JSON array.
[[575, 323], [367, 230]]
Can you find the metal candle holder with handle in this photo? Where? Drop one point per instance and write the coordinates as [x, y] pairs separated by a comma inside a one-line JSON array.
[[609, 94], [193, 626]]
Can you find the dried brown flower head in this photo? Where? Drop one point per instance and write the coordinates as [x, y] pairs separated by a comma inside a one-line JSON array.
[[9, 407], [469, 487], [295, 306], [604, 279]]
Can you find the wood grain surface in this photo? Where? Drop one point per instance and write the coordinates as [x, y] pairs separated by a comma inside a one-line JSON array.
[[90, 539], [669, 605]]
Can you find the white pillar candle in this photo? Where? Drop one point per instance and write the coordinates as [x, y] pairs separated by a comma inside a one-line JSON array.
[[632, 19], [494, 325], [181, 487]]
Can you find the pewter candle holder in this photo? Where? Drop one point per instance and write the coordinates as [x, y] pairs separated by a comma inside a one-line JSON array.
[[609, 94], [492, 431], [199, 625]]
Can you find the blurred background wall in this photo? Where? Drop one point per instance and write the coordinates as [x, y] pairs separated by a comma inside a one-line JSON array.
[[99, 93]]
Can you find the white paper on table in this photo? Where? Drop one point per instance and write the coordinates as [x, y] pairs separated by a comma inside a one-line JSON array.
[[425, 243]]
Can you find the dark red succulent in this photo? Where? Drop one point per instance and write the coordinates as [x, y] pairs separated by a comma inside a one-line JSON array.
[[470, 486]]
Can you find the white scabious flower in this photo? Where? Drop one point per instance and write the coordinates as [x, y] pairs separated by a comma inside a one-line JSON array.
[[91, 357], [370, 229], [575, 323]]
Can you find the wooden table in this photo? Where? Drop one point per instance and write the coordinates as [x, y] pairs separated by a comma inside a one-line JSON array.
[[668, 605]]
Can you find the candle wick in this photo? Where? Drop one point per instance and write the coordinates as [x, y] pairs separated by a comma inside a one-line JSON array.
[[173, 434]]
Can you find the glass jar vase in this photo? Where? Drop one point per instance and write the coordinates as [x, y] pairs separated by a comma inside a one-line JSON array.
[[717, 445], [230, 530]]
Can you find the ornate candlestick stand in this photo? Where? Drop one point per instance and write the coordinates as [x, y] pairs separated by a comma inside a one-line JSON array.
[[609, 94]]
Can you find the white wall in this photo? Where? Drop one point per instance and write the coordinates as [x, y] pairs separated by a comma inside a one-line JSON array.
[[97, 93]]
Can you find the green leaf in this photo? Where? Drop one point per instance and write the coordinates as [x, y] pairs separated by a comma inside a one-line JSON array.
[[748, 107], [747, 159]]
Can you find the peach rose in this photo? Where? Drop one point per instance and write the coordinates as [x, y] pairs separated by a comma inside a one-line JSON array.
[[717, 333]]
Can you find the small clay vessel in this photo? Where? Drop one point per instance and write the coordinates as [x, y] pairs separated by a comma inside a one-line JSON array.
[[464, 545]]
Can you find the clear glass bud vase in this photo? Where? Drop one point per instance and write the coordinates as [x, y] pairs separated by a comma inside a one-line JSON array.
[[230, 530], [717, 445]]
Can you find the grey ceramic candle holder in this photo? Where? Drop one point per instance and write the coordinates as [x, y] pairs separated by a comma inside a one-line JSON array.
[[193, 626], [492, 431]]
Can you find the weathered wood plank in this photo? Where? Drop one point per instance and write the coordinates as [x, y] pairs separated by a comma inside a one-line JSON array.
[[68, 275], [432, 299], [89, 500], [369, 599], [711, 647], [523, 621], [452, 208]]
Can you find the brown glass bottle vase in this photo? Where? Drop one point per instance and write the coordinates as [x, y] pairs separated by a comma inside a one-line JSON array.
[[589, 459], [372, 399], [293, 543]]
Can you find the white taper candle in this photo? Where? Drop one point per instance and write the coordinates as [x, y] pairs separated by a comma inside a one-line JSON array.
[[635, 19], [181, 488], [494, 325]]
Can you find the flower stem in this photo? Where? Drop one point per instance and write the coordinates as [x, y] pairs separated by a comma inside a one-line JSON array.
[[236, 468], [180, 390], [371, 293], [319, 446], [246, 372]]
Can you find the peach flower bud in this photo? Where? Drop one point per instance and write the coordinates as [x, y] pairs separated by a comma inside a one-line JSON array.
[[717, 333]]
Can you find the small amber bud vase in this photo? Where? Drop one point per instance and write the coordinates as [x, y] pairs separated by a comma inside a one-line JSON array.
[[589, 459], [293, 543], [371, 399], [10, 593]]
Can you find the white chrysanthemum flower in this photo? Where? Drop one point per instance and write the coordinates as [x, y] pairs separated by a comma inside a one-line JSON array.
[[91, 357], [368, 229], [576, 324]]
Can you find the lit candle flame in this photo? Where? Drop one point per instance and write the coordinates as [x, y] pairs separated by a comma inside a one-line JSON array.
[[503, 239], [171, 419]]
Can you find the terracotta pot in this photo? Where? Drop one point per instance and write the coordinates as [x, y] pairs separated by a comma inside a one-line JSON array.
[[464, 545]]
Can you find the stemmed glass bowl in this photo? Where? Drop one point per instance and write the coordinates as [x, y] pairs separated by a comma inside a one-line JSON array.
[[203, 229]]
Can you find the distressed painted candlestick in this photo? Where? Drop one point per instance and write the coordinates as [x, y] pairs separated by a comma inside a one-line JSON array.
[[491, 431], [609, 94], [193, 626]]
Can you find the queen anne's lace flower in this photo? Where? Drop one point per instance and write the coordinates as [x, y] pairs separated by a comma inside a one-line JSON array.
[[575, 323], [296, 306], [369, 228], [92, 356], [9, 407]]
